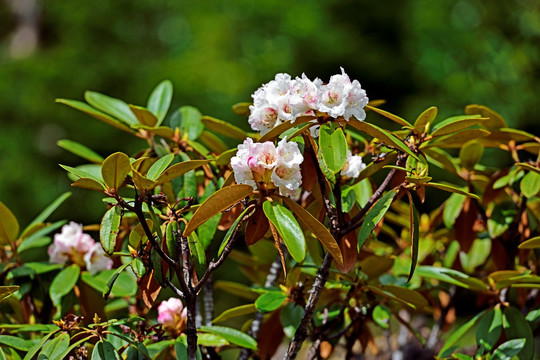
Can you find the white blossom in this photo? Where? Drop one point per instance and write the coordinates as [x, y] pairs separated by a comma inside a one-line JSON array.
[[353, 166], [96, 260]]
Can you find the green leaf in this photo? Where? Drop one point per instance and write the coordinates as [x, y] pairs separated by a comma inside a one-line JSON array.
[[104, 350], [288, 229], [55, 347], [456, 139], [6, 291], [452, 209], [232, 335], [477, 255], [9, 226], [489, 328], [403, 295], [108, 230], [374, 216], [281, 128], [16, 342], [270, 301], [415, 236], [82, 174], [213, 340], [224, 128], [387, 138], [159, 167], [508, 349], [452, 126], [319, 230], [422, 123], [241, 108], [113, 279], [90, 184], [333, 145], [125, 285], [495, 120], [470, 154], [528, 167], [197, 249], [235, 311], [231, 230], [160, 100], [452, 277], [390, 116], [516, 327], [64, 282], [189, 120], [38, 346], [95, 113], [381, 316], [533, 243], [111, 106], [452, 188], [219, 201], [48, 210], [114, 169], [80, 150], [448, 346], [144, 116], [178, 170], [530, 184]]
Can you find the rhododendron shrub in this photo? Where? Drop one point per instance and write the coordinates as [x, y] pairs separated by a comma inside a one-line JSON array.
[[342, 236]]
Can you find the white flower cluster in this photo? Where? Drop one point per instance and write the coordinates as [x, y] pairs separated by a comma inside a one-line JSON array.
[[80, 248], [285, 99], [267, 167], [353, 166]]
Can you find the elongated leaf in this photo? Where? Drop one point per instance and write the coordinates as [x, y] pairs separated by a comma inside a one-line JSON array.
[[425, 119], [528, 167], [456, 139], [9, 226], [333, 146], [141, 182], [319, 230], [6, 291], [38, 346], [270, 301], [55, 347], [383, 135], [441, 158], [144, 116], [108, 231], [111, 106], [452, 209], [113, 279], [95, 113], [533, 243], [495, 120], [82, 174], [90, 184], [160, 100], [446, 350], [235, 311], [508, 349], [455, 126], [390, 116], [241, 108], [516, 327], [470, 154], [163, 131], [16, 342], [219, 201], [80, 150], [159, 166], [114, 169], [415, 235], [64, 282], [49, 210], [213, 142], [232, 335], [281, 128], [189, 119], [178, 170], [288, 229], [374, 216], [530, 184], [452, 189], [490, 328], [224, 128], [452, 277], [104, 350], [228, 236], [403, 295]]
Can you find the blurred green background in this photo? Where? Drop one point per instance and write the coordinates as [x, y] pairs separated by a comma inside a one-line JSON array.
[[414, 53]]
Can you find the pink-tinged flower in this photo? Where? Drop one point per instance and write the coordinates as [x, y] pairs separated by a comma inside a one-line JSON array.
[[96, 260], [264, 166], [353, 166], [263, 118], [341, 97], [304, 95], [172, 314]]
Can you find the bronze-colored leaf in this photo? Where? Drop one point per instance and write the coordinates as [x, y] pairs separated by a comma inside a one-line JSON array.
[[256, 227]]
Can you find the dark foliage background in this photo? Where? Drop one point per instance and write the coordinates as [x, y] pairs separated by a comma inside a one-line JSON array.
[[414, 53]]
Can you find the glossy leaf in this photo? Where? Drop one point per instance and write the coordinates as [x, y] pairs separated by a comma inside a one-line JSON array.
[[111, 106], [470, 154], [451, 127], [55, 347], [90, 184], [448, 346], [403, 295], [125, 284], [415, 235], [189, 119], [178, 170], [508, 349], [281, 128], [457, 139], [79, 173], [144, 116], [104, 350], [233, 227], [381, 316], [451, 188], [516, 327], [64, 282], [9, 226], [114, 169], [235, 312], [530, 184], [112, 280], [232, 335], [333, 146], [219, 201], [159, 166], [390, 116], [528, 167], [141, 182], [319, 230], [16, 342], [425, 119], [489, 328], [533, 243], [160, 100], [6, 291], [80, 150], [224, 128], [495, 120], [288, 229], [270, 301], [452, 209], [108, 230], [95, 113], [452, 277], [374, 216]]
